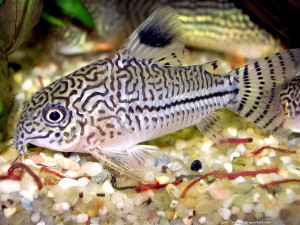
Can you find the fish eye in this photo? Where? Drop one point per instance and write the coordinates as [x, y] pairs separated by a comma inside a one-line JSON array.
[[54, 113]]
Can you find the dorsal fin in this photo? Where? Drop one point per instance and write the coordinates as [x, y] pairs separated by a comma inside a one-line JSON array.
[[211, 66], [157, 40]]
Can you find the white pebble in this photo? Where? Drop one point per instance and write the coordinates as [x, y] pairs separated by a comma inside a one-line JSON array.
[[161, 213], [120, 205], [232, 131], [273, 212], [95, 220], [228, 202], [71, 174], [9, 186], [117, 197], [9, 211], [290, 196], [49, 164], [140, 198], [50, 194], [27, 84], [263, 160], [75, 157], [128, 205], [242, 149], [35, 217], [174, 204], [131, 218], [202, 219], [256, 197], [26, 194], [263, 178], [82, 218], [270, 196], [20, 97], [58, 155], [270, 141], [41, 223], [66, 163], [259, 208], [27, 205], [57, 207], [103, 211], [162, 179], [66, 183], [206, 147], [228, 167], [247, 208], [225, 213], [173, 190], [65, 206], [4, 168], [28, 184], [91, 168], [107, 187], [275, 176], [286, 159], [83, 181], [149, 176], [234, 155], [49, 159], [239, 179], [180, 144], [174, 166], [272, 154]]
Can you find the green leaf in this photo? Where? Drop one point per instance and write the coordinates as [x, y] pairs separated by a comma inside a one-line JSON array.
[[1, 1], [53, 20], [75, 9], [17, 18]]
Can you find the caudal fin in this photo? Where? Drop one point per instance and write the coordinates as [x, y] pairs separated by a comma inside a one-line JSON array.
[[260, 85]]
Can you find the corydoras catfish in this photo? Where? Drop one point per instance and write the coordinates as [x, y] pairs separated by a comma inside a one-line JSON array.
[[218, 25], [143, 92]]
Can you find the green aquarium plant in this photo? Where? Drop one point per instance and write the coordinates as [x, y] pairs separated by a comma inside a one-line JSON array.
[[75, 9], [17, 18], [6, 98]]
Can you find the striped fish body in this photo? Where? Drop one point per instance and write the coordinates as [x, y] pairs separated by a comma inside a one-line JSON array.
[[143, 92], [214, 25], [118, 104]]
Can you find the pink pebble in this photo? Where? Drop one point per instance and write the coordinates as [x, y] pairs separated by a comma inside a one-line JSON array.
[[220, 193], [37, 159]]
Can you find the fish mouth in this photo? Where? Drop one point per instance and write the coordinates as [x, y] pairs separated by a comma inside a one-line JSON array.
[[22, 148]]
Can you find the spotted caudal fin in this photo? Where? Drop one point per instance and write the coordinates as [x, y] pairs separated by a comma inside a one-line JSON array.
[[157, 40], [260, 85]]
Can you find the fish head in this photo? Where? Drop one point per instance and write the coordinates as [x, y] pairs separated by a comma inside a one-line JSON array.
[[290, 99], [47, 120]]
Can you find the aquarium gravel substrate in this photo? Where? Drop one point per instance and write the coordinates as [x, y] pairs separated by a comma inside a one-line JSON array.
[[77, 189]]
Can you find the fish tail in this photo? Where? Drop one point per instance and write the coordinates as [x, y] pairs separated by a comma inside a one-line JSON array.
[[260, 84]]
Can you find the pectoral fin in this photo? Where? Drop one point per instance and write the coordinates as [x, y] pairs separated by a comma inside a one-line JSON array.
[[213, 126], [133, 162]]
